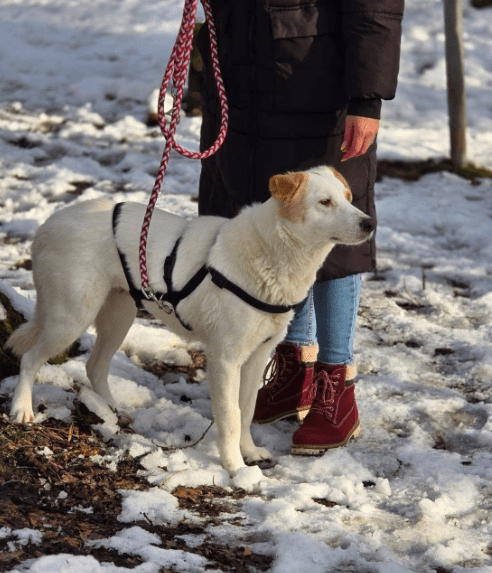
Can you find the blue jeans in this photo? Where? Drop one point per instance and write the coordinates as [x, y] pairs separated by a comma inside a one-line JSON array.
[[327, 317]]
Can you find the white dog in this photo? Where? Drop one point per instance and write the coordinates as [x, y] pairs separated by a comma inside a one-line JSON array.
[[85, 259]]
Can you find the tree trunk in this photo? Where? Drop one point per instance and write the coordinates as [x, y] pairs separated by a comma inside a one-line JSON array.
[[453, 20]]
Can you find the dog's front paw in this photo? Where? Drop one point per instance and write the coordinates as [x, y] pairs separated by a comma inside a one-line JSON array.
[[232, 463], [256, 454]]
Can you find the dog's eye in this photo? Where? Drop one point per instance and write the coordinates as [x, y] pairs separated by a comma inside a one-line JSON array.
[[326, 202]]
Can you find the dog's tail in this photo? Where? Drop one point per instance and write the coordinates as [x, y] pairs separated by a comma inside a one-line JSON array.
[[25, 337]]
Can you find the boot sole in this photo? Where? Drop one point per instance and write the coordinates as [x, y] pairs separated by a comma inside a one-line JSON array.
[[300, 414], [318, 450]]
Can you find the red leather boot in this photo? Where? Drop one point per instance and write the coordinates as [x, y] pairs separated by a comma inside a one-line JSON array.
[[289, 390], [333, 418]]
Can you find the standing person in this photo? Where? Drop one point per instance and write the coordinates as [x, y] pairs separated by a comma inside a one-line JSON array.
[[304, 81]]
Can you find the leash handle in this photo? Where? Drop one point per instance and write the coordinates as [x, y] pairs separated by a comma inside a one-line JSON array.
[[176, 71]]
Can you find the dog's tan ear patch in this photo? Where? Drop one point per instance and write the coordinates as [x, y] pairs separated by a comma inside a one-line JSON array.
[[290, 189], [340, 177], [285, 187]]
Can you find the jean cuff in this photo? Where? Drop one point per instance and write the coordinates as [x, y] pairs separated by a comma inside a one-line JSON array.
[[349, 362], [302, 343]]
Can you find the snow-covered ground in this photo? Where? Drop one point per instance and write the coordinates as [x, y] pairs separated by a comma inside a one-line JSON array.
[[413, 493]]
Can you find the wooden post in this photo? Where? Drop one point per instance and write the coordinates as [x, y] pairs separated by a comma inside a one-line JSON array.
[[455, 69]]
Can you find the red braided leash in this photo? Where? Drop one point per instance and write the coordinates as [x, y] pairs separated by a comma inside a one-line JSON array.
[[176, 71]]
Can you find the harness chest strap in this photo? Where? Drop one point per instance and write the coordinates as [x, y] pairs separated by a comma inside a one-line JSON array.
[[175, 297], [222, 282]]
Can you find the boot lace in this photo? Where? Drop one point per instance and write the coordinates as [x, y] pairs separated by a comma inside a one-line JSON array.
[[276, 370], [325, 388]]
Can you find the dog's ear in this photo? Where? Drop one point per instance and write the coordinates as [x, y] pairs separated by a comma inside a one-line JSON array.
[[340, 177], [290, 189], [286, 187]]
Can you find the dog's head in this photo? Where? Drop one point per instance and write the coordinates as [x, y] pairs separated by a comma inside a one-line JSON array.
[[318, 202]]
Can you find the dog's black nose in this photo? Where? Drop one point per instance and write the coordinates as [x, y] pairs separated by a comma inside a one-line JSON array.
[[368, 225]]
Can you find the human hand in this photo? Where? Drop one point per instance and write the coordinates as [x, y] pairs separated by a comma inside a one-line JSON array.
[[360, 132]]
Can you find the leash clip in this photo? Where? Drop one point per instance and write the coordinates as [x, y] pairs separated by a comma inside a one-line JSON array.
[[166, 306]]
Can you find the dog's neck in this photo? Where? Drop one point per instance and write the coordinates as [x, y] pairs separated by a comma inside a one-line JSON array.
[[281, 264]]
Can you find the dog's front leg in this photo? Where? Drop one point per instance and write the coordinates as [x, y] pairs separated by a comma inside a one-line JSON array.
[[251, 375], [224, 390]]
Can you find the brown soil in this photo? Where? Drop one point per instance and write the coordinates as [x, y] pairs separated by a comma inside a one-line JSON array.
[[31, 483]]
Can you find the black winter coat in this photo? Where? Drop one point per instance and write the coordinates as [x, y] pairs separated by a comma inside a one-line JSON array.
[[292, 70]]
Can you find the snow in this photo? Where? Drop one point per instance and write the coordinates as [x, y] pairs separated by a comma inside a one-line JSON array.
[[413, 493], [137, 541]]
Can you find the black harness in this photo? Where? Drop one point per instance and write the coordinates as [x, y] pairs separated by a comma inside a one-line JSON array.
[[172, 297]]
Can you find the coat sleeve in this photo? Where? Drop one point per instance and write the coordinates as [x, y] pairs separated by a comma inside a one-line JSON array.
[[371, 35]]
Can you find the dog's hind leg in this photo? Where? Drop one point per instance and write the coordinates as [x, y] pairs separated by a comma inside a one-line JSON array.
[[58, 331], [112, 325], [251, 375]]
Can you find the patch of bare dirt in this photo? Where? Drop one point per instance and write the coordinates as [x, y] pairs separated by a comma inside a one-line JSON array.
[[50, 482], [191, 371], [414, 170]]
